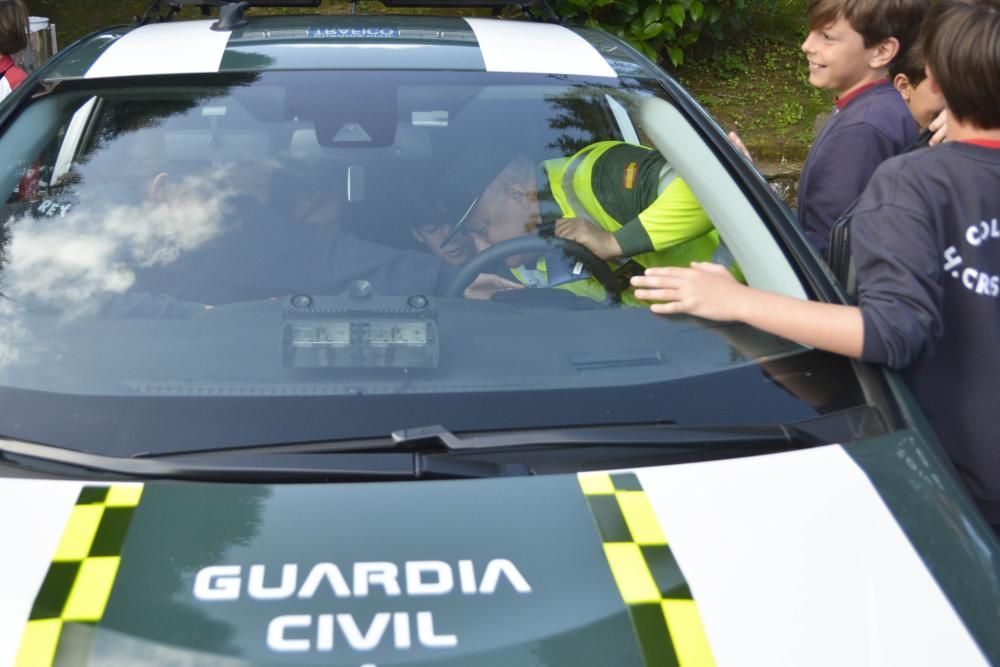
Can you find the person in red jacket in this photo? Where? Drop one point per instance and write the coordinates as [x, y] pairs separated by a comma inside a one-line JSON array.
[[13, 39]]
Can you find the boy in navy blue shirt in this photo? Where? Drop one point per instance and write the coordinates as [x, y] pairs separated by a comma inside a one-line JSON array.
[[926, 243], [849, 48]]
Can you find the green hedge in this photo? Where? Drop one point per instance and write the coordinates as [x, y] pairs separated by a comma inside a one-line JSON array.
[[662, 29]]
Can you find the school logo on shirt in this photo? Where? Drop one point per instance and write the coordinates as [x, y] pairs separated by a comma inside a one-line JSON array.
[[631, 169], [973, 279]]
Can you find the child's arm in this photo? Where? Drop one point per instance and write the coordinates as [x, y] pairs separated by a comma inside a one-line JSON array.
[[709, 291]]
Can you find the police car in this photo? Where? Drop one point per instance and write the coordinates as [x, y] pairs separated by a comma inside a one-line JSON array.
[[266, 400]]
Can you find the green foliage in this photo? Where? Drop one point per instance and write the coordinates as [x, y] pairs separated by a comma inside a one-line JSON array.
[[662, 28], [756, 83]]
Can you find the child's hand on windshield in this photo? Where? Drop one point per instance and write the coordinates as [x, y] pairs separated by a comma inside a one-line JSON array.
[[706, 290], [598, 241]]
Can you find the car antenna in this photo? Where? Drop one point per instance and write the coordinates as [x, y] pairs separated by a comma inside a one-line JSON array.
[[231, 16], [154, 9], [230, 11], [548, 14]]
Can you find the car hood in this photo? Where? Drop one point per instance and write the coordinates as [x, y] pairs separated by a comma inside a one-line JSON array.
[[780, 559]]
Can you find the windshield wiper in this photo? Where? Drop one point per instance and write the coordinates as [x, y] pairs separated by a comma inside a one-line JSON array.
[[253, 467], [658, 435], [751, 437]]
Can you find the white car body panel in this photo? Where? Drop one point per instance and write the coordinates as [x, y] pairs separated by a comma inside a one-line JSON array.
[[794, 559], [536, 48], [152, 49], [33, 518]]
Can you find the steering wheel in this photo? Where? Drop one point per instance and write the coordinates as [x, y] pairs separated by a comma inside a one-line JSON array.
[[536, 245]]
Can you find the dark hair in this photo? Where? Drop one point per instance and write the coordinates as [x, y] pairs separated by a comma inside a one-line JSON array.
[[961, 42], [911, 64], [875, 20], [13, 26]]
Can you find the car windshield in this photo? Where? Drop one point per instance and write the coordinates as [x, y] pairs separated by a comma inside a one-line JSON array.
[[200, 261]]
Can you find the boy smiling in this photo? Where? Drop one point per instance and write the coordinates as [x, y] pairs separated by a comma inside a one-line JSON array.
[[850, 46]]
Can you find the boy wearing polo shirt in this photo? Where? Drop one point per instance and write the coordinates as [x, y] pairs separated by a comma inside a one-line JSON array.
[[926, 242], [850, 46]]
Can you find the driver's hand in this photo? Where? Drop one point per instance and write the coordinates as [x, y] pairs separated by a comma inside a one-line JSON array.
[[598, 241], [487, 284]]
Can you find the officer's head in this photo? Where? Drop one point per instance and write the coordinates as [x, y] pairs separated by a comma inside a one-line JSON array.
[[508, 207], [502, 207]]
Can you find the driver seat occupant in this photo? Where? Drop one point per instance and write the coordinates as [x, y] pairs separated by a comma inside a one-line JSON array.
[[623, 202]]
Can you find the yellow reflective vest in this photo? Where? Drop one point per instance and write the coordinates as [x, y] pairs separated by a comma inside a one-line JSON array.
[[632, 192]]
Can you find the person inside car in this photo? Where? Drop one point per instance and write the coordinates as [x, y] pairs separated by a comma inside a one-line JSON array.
[[621, 201], [337, 257], [429, 227]]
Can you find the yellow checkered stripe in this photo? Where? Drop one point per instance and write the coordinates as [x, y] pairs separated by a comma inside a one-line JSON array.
[[78, 583], [651, 583]]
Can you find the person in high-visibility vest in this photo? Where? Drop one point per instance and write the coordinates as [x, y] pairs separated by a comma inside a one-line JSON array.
[[624, 202]]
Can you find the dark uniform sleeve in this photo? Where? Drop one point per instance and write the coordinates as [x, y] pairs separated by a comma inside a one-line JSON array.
[[898, 265], [626, 181]]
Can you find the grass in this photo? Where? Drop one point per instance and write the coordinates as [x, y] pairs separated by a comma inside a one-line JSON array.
[[758, 86]]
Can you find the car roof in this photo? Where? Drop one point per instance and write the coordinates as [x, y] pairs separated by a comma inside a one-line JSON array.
[[381, 42]]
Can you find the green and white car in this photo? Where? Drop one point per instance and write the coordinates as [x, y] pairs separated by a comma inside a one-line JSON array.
[[246, 418]]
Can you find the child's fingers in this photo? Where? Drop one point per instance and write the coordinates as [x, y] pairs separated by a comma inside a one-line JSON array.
[[657, 282], [939, 126], [709, 266], [671, 308], [740, 146], [664, 271], [663, 294], [659, 276]]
